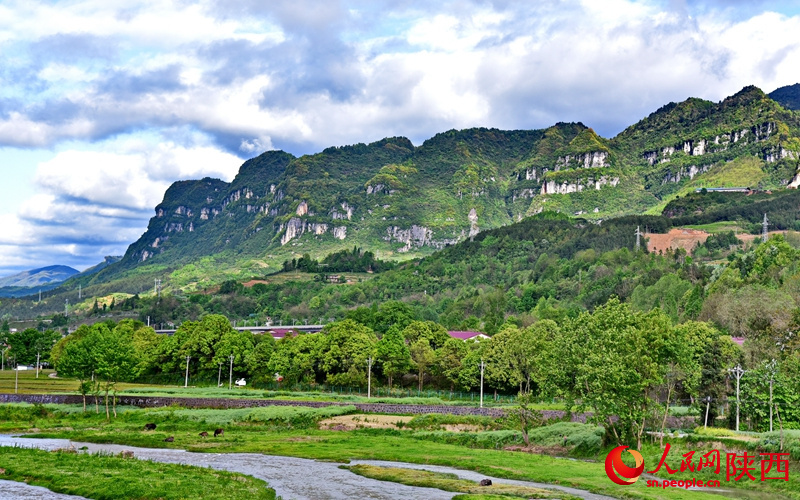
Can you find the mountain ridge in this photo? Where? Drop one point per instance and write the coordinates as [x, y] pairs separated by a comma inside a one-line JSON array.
[[405, 201]]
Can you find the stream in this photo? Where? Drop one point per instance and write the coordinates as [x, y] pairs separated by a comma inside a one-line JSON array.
[[292, 478]]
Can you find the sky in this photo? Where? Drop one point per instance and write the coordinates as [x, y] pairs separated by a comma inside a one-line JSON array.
[[105, 103]]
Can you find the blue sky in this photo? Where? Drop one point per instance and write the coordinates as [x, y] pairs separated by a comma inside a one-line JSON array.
[[104, 103]]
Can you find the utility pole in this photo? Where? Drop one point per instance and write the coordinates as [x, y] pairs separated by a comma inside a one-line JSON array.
[[186, 381], [16, 376], [369, 377], [230, 375], [638, 238], [708, 404], [37, 366], [483, 367], [157, 287], [772, 367], [770, 403], [737, 371], [219, 375], [764, 228]]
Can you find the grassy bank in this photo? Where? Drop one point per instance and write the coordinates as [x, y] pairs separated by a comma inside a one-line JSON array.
[[292, 434], [111, 477], [450, 482]]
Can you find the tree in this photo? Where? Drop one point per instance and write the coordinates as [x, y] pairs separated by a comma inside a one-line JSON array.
[[393, 312], [77, 360], [393, 354], [449, 360], [618, 359], [423, 356], [238, 344], [257, 361], [496, 302], [199, 340], [523, 416], [116, 359], [344, 350], [436, 335], [296, 357], [25, 345]]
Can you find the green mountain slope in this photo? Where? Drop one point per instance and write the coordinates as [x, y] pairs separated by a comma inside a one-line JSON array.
[[788, 96], [401, 201]]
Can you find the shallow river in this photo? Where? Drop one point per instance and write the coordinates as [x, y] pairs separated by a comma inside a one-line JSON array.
[[292, 478]]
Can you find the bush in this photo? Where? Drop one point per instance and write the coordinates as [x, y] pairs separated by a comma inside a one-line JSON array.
[[289, 416], [485, 439], [715, 432], [584, 438], [434, 421]]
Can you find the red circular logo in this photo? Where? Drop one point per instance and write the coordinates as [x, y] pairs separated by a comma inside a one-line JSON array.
[[615, 467]]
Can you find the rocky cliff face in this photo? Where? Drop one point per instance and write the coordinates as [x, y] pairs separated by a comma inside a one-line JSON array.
[[395, 197]]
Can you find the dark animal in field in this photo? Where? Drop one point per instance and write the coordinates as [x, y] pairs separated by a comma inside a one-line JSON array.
[[486, 482], [169, 439], [219, 432], [149, 427], [204, 434], [126, 454]]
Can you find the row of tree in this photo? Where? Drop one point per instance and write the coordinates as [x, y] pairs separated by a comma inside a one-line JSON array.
[[626, 366]]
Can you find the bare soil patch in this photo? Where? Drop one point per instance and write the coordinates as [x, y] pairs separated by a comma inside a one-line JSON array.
[[361, 421], [676, 238], [689, 239]]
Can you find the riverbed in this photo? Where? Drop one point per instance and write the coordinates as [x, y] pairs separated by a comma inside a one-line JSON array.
[[293, 478]]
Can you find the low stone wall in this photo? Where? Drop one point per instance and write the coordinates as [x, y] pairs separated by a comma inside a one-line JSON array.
[[389, 408]]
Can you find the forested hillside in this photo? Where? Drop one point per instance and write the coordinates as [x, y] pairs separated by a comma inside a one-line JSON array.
[[401, 201]]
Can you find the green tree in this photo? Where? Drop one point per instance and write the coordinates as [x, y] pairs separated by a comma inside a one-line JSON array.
[[393, 354], [238, 344], [199, 340], [618, 358], [523, 416], [344, 350], [116, 360], [24, 345], [391, 313], [434, 333], [77, 360], [449, 359], [423, 356], [257, 361]]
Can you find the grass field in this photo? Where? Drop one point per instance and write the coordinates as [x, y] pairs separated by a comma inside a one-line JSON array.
[[109, 477], [293, 431], [300, 438], [718, 227], [29, 384]]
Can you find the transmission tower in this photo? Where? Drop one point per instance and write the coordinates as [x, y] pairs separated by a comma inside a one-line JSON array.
[[158, 287], [764, 228]]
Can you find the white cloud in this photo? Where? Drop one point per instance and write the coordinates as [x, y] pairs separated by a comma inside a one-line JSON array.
[[133, 96], [94, 203]]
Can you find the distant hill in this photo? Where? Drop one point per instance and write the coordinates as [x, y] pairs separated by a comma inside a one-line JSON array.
[[788, 96], [30, 282], [36, 277]]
